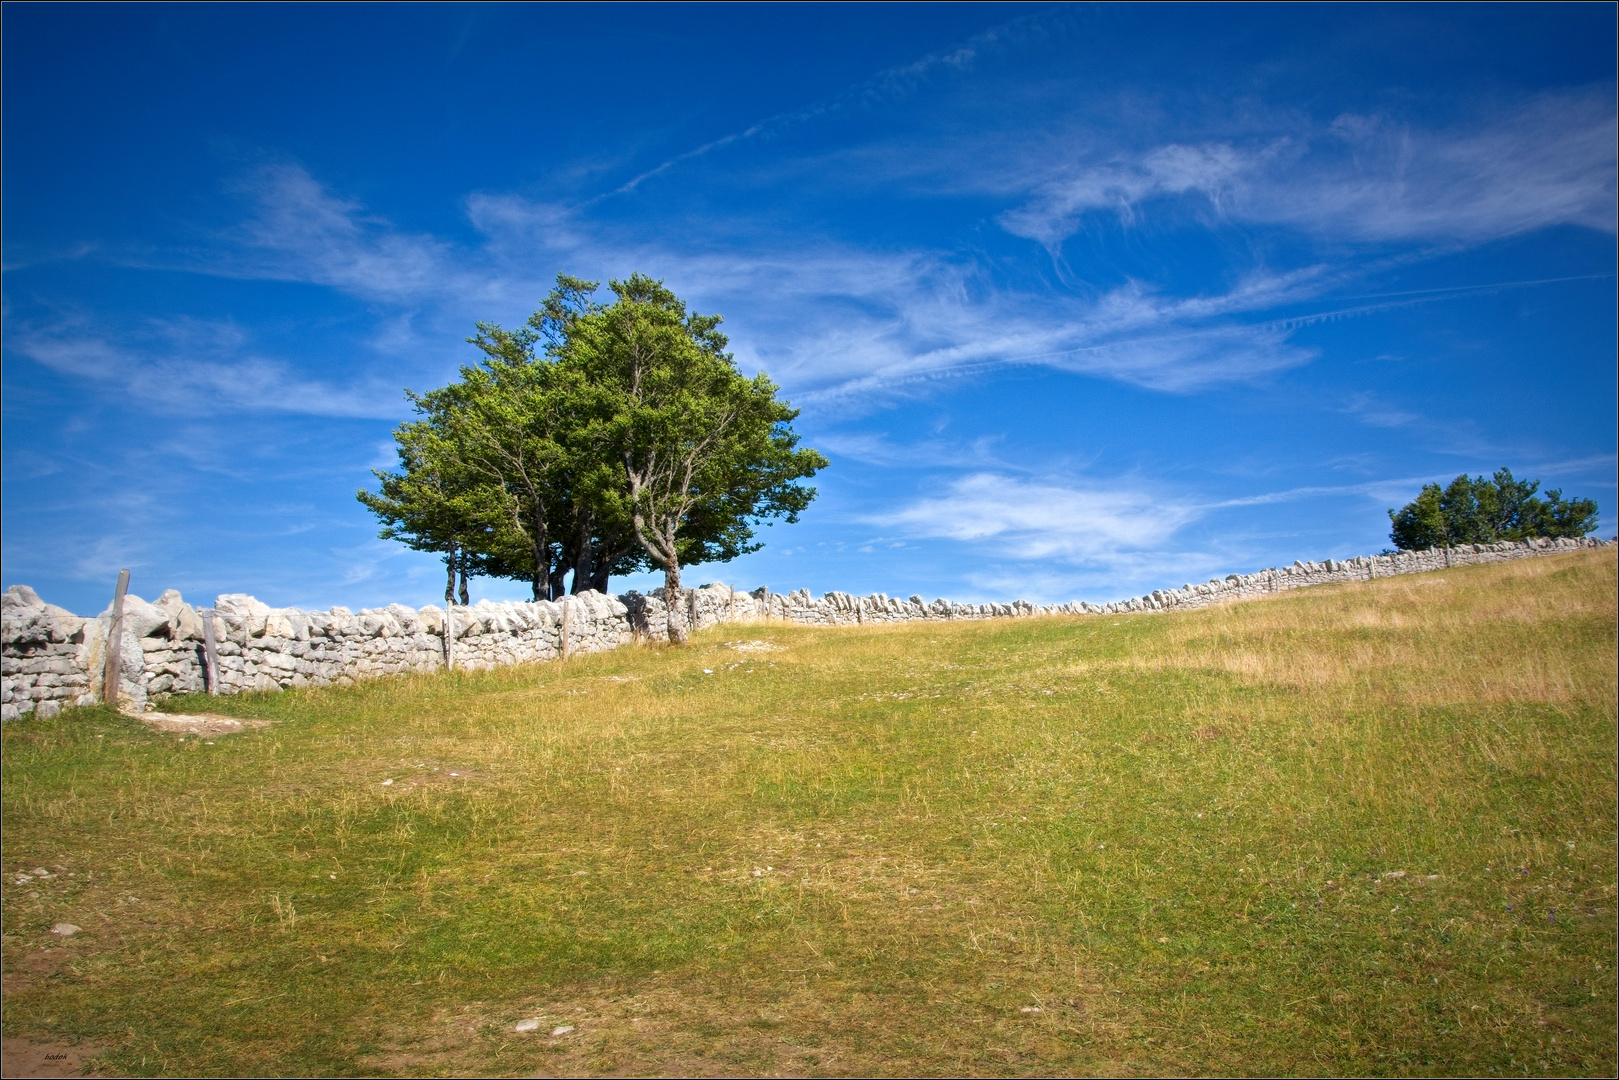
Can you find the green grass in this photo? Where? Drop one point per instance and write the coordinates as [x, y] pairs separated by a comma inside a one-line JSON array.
[[876, 850]]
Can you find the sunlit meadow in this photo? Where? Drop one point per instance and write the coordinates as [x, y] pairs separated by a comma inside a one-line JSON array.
[[1364, 829]]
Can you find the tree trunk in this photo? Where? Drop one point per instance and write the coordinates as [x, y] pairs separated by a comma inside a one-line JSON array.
[[449, 583], [464, 600], [581, 566], [674, 603], [606, 554]]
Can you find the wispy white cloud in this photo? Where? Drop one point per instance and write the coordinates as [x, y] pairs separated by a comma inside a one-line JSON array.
[[836, 323], [1364, 178], [1032, 520], [1213, 171], [874, 448], [300, 231], [190, 365], [924, 331], [887, 85]]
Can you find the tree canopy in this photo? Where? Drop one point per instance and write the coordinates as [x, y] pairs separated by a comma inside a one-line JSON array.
[[597, 439], [1477, 510]]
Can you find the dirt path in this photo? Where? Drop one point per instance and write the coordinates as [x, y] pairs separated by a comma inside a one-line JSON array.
[[22, 1058]]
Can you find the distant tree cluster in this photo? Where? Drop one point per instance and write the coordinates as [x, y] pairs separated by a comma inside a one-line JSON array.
[[597, 439], [1476, 510]]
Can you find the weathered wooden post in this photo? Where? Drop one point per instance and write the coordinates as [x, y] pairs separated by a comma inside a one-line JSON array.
[[691, 609], [210, 651], [730, 606], [567, 624], [449, 637], [115, 642]]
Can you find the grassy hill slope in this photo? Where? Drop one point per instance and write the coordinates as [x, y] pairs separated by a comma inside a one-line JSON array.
[[1358, 829]]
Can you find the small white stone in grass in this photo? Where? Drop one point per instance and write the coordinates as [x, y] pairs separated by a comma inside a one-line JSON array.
[[65, 929], [563, 1030], [1030, 1008], [388, 781], [708, 671], [531, 1024]]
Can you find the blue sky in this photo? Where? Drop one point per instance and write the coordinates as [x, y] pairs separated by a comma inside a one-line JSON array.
[[1079, 301]]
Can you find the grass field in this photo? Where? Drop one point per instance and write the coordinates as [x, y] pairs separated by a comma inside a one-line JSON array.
[[1359, 829]]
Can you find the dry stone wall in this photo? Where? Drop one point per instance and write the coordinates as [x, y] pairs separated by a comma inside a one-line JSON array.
[[50, 657]]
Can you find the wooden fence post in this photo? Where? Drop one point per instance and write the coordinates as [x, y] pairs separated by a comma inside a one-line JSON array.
[[449, 637], [210, 651], [115, 642], [567, 625]]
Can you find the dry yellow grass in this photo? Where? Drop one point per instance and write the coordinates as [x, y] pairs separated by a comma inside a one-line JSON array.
[[1417, 641]]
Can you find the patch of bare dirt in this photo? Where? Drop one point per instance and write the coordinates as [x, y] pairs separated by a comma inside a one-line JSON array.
[[23, 1057], [422, 776], [198, 723], [45, 960], [755, 646], [660, 1031]]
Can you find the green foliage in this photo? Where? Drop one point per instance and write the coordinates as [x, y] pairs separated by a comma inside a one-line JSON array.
[[434, 503], [702, 450], [1474, 510], [596, 439]]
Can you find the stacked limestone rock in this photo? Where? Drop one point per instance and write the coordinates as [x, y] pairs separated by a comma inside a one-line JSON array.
[[1362, 568], [708, 606], [42, 664], [53, 657]]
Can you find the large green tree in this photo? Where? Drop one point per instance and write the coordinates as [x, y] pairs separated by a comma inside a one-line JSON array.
[[704, 450], [595, 440], [432, 503], [1479, 510]]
